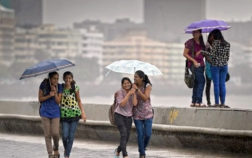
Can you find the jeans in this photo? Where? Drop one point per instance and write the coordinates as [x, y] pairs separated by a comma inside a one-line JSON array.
[[219, 74], [68, 131], [124, 125], [144, 131], [199, 85], [51, 131]]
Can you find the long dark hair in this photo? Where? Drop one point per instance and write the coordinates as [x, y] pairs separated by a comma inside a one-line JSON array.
[[202, 43], [72, 90], [145, 78], [217, 35], [46, 82]]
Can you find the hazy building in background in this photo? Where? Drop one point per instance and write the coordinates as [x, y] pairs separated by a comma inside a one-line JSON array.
[[165, 20], [7, 35], [136, 45], [110, 30], [26, 45], [92, 45], [29, 13], [59, 42]]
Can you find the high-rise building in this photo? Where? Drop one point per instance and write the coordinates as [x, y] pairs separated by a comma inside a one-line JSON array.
[[7, 35], [165, 20], [28, 13]]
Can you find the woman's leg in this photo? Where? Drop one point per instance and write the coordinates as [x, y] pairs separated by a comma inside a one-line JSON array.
[[200, 84], [72, 129], [55, 134], [208, 88], [216, 77], [47, 133], [223, 74], [148, 131], [121, 125], [65, 134], [140, 136]]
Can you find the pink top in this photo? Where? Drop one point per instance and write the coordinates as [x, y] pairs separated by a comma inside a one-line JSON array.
[[197, 47], [143, 110], [127, 109]]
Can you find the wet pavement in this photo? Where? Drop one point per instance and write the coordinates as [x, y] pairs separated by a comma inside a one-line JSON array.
[[23, 146]]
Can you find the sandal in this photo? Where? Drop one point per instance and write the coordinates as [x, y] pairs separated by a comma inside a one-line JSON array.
[[192, 105], [224, 106], [202, 105], [56, 154]]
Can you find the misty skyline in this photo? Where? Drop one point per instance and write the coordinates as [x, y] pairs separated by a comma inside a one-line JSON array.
[[64, 12]]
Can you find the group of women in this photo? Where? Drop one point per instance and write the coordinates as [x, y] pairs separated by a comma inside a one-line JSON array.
[[217, 52], [62, 103]]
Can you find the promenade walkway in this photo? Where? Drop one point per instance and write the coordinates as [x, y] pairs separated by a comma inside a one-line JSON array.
[[18, 146]]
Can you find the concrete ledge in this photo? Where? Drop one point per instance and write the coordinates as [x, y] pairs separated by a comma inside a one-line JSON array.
[[205, 128], [163, 135]]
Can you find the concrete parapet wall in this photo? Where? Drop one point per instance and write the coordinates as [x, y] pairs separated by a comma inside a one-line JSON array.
[[218, 129]]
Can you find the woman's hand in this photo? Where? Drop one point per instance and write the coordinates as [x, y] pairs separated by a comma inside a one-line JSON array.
[[83, 116], [196, 64]]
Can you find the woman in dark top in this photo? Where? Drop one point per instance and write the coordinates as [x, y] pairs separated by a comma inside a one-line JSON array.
[[219, 52], [195, 58]]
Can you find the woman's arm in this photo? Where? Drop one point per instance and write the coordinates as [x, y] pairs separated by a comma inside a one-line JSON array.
[[124, 100], [83, 114], [42, 98], [187, 56], [146, 95], [134, 99]]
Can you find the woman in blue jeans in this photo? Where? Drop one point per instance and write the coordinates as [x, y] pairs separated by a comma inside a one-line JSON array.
[[219, 52], [143, 113], [195, 61], [71, 111]]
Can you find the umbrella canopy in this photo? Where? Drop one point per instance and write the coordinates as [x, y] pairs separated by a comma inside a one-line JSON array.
[[207, 26], [131, 66], [46, 67]]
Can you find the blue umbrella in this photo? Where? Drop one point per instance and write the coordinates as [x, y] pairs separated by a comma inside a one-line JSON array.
[[207, 26], [46, 67]]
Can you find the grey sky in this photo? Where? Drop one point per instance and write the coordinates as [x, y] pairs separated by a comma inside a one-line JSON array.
[[65, 12]]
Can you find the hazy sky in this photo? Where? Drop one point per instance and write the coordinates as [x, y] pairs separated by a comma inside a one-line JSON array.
[[65, 12]]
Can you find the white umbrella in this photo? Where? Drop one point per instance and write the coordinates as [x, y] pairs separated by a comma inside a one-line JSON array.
[[131, 66]]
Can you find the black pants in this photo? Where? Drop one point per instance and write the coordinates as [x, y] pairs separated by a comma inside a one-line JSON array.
[[124, 125], [208, 88]]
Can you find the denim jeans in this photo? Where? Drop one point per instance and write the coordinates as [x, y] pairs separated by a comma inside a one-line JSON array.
[[199, 85], [219, 74], [68, 131], [144, 131], [124, 125]]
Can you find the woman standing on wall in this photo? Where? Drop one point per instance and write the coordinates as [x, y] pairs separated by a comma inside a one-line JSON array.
[[195, 58]]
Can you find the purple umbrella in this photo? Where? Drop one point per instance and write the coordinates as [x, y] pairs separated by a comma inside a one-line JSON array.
[[207, 26]]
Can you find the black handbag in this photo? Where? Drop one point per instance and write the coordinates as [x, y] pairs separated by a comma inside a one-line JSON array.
[[189, 77]]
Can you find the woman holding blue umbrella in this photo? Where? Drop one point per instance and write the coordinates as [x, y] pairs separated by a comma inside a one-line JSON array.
[[50, 92], [195, 61]]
